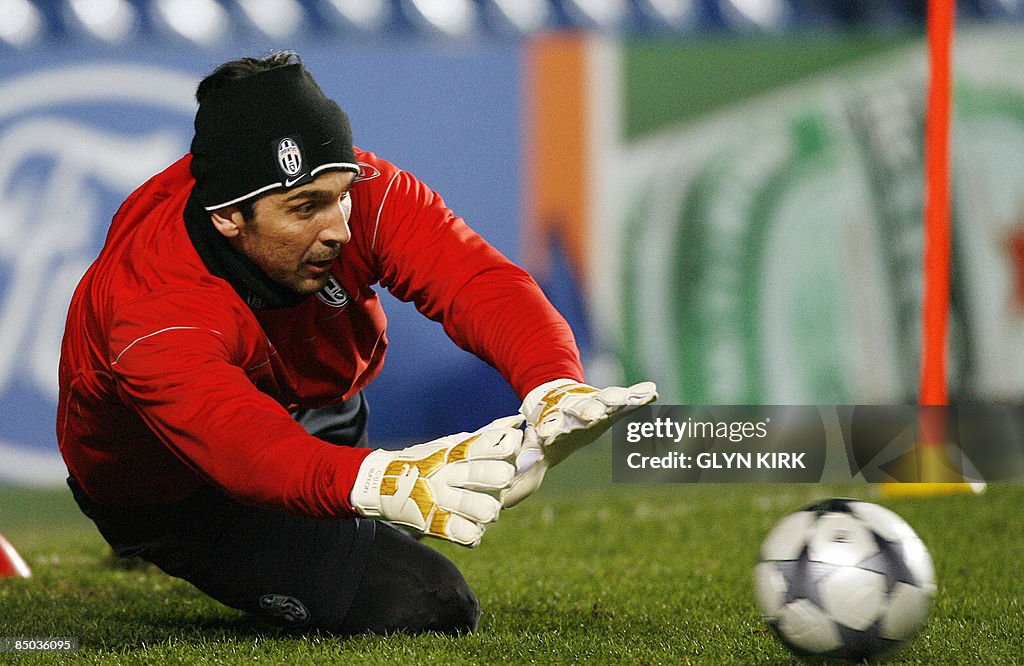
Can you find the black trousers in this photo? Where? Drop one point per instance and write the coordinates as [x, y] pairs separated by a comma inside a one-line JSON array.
[[344, 576]]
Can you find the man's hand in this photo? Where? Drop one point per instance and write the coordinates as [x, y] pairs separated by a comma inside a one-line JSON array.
[[563, 416], [441, 488]]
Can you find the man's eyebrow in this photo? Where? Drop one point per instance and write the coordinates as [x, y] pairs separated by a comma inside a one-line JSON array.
[[309, 194]]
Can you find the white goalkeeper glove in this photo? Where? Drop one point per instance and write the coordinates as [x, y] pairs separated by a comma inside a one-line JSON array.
[[441, 488], [563, 416]]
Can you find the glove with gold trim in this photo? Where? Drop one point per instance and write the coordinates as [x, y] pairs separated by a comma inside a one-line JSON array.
[[441, 488], [563, 416]]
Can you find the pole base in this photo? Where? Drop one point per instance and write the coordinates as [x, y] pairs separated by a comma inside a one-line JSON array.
[[927, 471], [920, 489]]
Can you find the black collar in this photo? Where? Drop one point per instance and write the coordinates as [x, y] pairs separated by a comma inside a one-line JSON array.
[[252, 284]]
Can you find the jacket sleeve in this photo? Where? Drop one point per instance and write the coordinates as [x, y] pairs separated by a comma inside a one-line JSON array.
[[487, 305], [182, 366]]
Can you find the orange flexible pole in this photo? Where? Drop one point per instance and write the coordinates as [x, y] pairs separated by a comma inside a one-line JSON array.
[[937, 228]]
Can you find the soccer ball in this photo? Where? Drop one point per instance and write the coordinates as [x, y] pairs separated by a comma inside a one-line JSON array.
[[844, 578]]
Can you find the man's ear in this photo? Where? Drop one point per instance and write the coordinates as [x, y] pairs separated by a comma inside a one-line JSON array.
[[229, 221]]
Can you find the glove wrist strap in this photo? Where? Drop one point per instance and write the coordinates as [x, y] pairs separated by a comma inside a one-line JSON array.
[[365, 494]]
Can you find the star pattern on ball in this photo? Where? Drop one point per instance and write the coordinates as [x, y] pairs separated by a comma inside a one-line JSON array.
[[889, 562], [802, 576]]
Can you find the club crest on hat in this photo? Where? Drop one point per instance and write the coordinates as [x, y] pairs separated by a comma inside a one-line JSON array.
[[289, 156]]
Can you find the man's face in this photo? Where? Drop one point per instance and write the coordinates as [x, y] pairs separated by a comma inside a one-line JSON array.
[[294, 236]]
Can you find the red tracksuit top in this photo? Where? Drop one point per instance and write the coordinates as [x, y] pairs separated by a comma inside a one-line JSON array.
[[169, 381]]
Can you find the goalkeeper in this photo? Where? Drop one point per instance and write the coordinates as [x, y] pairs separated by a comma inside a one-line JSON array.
[[211, 412]]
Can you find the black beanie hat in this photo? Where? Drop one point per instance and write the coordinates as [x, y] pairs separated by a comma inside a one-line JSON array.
[[273, 129]]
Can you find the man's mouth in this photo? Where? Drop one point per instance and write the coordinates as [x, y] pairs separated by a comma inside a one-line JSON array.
[[319, 267]]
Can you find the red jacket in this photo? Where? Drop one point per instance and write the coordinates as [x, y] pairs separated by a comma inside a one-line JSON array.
[[169, 381]]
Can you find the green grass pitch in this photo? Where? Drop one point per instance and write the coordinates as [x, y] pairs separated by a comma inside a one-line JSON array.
[[585, 571]]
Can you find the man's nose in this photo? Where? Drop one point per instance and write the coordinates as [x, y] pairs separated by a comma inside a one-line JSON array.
[[336, 231]]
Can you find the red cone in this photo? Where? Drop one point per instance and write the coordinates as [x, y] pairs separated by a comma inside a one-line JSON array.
[[12, 565]]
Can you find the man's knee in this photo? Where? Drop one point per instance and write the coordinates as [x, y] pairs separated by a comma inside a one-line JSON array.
[[446, 606], [412, 588]]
